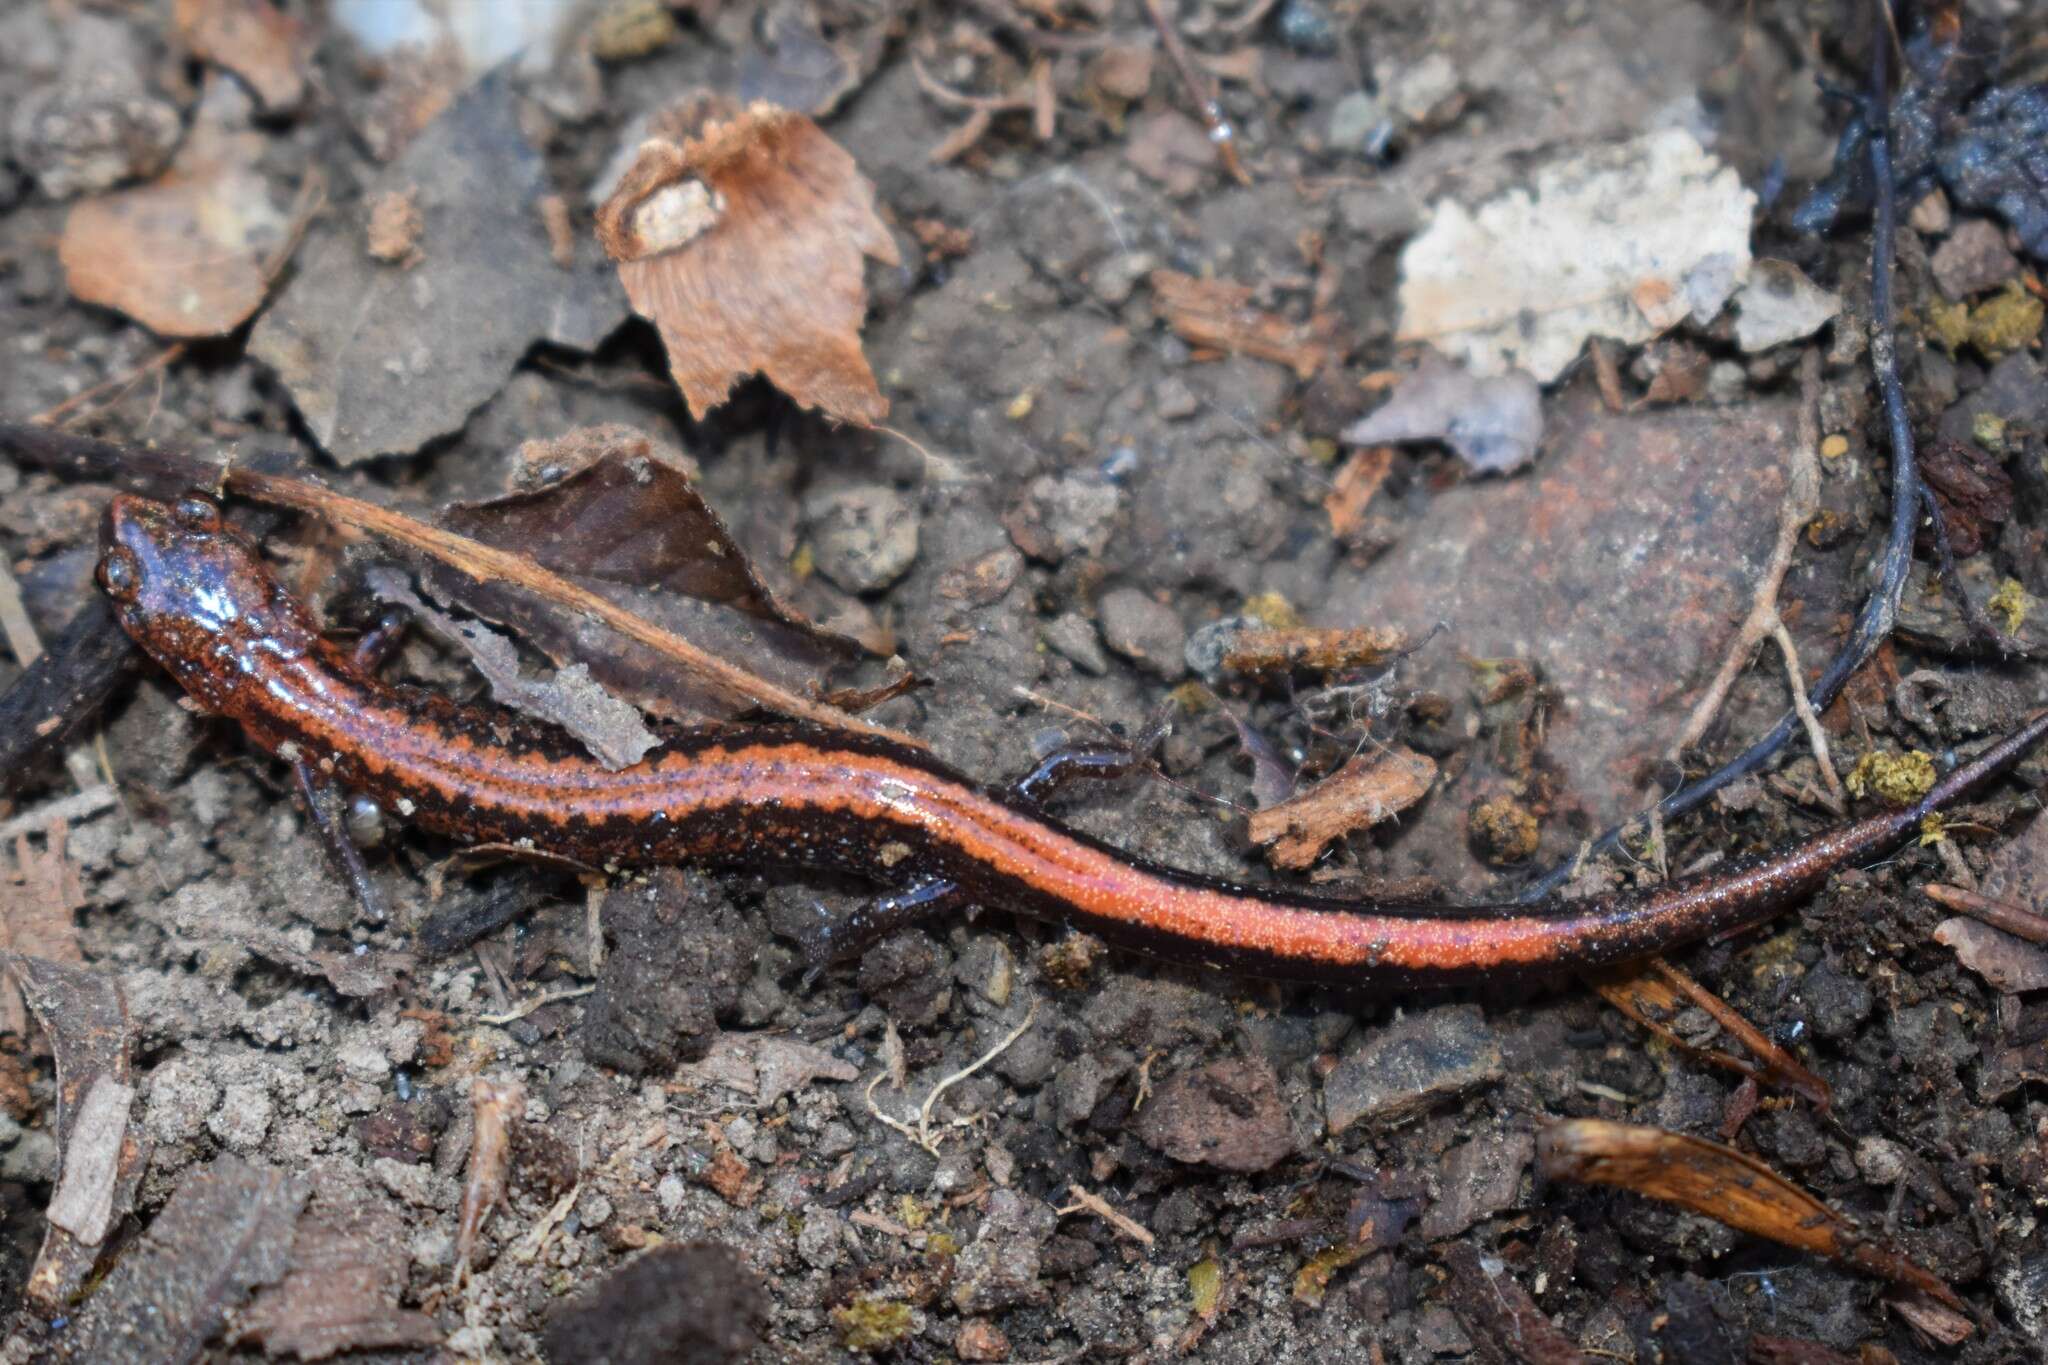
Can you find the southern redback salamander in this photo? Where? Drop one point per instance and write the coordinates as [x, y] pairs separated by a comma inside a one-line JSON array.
[[196, 596]]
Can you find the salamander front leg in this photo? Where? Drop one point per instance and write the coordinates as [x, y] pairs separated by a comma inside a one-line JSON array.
[[831, 940], [1097, 760], [329, 811]]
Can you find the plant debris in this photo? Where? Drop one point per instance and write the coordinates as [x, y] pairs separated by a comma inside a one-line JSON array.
[[620, 516], [741, 233], [1726, 1185], [1218, 315], [86, 1020], [1624, 242], [40, 893], [1368, 789], [380, 360], [342, 1292], [188, 254], [226, 1230], [692, 1302], [1495, 424]]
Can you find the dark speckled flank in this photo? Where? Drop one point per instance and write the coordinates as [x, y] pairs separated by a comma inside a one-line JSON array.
[[199, 600]]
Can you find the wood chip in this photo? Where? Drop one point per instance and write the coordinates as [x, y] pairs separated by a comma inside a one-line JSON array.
[[1218, 315], [1365, 791]]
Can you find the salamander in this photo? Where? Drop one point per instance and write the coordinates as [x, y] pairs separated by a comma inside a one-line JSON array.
[[197, 597]]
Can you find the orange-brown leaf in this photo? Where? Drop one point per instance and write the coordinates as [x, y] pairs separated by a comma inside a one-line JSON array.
[[744, 244], [1726, 1185]]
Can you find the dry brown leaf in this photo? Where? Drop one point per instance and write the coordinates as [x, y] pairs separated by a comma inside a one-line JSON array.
[[39, 895], [1218, 314], [1357, 796], [184, 255], [1726, 1185], [252, 38], [744, 244]]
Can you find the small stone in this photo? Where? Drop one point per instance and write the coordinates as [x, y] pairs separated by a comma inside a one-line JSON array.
[[864, 537], [1145, 631], [1930, 217], [980, 1340], [1973, 259], [1001, 1268], [1073, 638], [243, 1119], [819, 1242], [1778, 304], [1306, 26], [95, 125], [1172, 399], [1055, 518], [1229, 1115], [1355, 122], [2022, 1286], [181, 1096], [1415, 1063], [1115, 278]]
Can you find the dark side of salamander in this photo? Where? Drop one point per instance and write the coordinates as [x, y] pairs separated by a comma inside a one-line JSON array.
[[197, 598]]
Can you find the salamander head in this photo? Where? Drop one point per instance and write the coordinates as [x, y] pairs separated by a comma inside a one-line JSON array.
[[194, 593]]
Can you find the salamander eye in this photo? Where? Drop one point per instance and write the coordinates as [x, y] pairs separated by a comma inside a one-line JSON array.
[[120, 575], [196, 512]]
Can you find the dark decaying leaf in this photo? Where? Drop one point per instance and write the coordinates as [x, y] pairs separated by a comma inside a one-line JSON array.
[[86, 1019], [1972, 489], [691, 1302], [348, 1270], [609, 512], [380, 357], [227, 1230]]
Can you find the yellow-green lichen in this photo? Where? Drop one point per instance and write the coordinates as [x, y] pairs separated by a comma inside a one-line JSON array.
[[870, 1325], [1895, 779]]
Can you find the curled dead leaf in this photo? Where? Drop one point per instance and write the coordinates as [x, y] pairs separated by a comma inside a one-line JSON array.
[[260, 43], [741, 235]]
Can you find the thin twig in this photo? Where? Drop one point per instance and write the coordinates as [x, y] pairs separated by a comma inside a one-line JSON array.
[[1801, 502], [1084, 1202], [924, 1113], [1220, 132], [1802, 706], [2016, 920], [538, 1002], [69, 809]]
